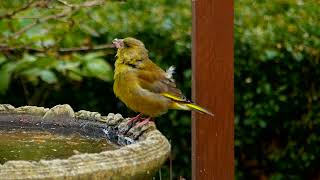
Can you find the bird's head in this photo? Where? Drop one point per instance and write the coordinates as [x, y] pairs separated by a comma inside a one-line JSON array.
[[128, 42], [130, 50]]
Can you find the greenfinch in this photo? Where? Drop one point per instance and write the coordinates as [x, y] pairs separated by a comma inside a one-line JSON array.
[[142, 85]]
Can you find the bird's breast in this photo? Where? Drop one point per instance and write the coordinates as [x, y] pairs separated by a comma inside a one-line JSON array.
[[127, 89]]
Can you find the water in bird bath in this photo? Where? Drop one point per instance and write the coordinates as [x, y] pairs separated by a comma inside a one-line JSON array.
[[35, 145]]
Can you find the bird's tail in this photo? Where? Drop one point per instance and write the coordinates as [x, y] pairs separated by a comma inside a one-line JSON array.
[[192, 107], [184, 104]]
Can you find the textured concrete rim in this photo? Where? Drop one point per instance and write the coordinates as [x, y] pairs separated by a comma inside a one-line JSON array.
[[135, 161]]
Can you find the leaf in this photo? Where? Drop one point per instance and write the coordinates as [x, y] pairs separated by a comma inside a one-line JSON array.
[[26, 62], [45, 62], [91, 31], [98, 68], [2, 60], [31, 75], [74, 76], [48, 76], [65, 65], [271, 54], [92, 56]]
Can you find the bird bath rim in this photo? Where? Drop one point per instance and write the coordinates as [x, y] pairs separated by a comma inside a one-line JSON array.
[[146, 151]]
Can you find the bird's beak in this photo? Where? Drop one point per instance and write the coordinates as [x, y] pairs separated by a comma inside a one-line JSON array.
[[118, 43]]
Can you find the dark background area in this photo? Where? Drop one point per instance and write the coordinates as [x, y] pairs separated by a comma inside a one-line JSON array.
[[277, 89]]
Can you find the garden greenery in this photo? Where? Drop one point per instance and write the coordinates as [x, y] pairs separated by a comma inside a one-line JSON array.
[[58, 51], [277, 88]]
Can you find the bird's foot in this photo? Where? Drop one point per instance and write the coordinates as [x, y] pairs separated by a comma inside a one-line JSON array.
[[134, 119], [144, 122]]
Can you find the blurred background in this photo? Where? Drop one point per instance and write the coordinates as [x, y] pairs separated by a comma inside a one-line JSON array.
[[277, 89], [57, 51]]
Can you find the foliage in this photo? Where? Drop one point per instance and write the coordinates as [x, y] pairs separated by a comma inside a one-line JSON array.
[[277, 51], [65, 58], [58, 51]]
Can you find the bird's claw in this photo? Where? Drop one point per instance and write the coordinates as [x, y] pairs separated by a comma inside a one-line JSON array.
[[136, 131], [134, 119], [144, 122]]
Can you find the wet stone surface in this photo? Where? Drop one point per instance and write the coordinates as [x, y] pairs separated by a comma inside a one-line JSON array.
[[121, 132]]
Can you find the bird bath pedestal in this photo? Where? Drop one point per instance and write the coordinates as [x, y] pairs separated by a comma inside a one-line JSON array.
[[137, 154]]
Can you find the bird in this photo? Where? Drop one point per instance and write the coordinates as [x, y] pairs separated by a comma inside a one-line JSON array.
[[143, 86]]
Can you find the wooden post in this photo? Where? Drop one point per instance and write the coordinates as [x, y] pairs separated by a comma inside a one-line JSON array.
[[212, 137]]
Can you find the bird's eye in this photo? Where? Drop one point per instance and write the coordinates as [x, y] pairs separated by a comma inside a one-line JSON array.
[[125, 44]]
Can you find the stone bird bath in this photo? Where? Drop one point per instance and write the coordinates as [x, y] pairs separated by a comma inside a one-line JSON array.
[[139, 152]]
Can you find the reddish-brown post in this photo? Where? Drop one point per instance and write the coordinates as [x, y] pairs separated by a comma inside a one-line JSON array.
[[212, 137]]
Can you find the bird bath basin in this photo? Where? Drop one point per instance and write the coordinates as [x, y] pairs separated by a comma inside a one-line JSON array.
[[58, 143]]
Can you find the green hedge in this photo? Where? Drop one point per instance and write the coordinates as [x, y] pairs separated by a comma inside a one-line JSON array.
[[277, 85]]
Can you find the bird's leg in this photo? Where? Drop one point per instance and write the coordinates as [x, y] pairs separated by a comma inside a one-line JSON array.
[[144, 122], [134, 119]]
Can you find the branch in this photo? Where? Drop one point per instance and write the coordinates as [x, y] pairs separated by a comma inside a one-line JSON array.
[[86, 48], [85, 4], [5, 48], [71, 9], [16, 11], [65, 3], [39, 21]]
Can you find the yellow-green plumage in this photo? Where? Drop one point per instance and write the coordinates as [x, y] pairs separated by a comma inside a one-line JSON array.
[[142, 85]]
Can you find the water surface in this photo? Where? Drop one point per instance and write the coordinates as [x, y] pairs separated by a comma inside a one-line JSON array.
[[36, 145]]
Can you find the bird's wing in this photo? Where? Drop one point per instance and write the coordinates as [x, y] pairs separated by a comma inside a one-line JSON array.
[[156, 80]]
